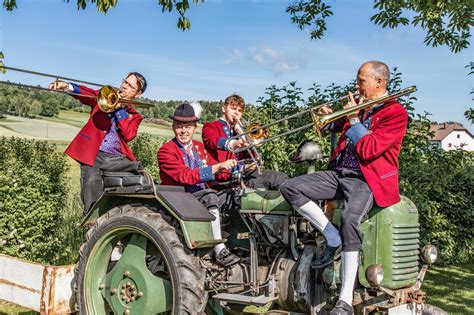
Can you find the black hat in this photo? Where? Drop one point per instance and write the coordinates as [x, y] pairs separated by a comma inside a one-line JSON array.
[[187, 113]]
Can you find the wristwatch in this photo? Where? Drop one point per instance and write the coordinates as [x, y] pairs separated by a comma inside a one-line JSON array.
[[354, 121]]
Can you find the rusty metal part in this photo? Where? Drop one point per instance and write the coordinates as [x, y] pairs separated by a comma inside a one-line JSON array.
[[44, 289]]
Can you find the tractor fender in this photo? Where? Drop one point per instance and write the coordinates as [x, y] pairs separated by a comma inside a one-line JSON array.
[[193, 218]]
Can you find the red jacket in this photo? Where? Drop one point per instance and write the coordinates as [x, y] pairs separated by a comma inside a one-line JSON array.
[[174, 166], [85, 146], [214, 136], [378, 149]]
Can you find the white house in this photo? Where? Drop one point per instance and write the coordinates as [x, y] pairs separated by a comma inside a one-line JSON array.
[[451, 137]]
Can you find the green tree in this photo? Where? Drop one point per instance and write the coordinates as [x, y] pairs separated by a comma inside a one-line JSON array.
[[446, 22], [181, 6], [49, 108], [469, 114]]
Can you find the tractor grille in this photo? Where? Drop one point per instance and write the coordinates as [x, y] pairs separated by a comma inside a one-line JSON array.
[[405, 253]]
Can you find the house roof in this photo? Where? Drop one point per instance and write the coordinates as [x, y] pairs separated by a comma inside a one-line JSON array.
[[443, 130]]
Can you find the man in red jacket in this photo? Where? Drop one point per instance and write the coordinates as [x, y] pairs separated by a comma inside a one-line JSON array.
[[105, 135], [185, 162], [363, 168], [217, 141]]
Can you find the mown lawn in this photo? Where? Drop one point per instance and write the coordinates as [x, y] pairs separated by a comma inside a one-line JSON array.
[[451, 288]]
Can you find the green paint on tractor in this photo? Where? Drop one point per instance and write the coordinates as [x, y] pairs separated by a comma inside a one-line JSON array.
[[264, 201], [391, 239]]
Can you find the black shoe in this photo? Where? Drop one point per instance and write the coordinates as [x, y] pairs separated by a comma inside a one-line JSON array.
[[226, 258], [342, 308], [329, 254]]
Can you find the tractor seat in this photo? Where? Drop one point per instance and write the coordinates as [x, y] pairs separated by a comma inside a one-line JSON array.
[[139, 182]]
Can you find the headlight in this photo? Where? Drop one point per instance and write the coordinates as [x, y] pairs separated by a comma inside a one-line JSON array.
[[374, 274], [429, 254]]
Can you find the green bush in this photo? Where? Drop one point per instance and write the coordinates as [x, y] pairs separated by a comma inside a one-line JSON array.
[[33, 190], [145, 148], [441, 184]]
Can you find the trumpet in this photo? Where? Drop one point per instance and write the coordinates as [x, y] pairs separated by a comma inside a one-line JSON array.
[[319, 121], [108, 97]]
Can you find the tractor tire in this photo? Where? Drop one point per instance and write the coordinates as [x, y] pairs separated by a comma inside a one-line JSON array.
[[133, 262], [433, 310]]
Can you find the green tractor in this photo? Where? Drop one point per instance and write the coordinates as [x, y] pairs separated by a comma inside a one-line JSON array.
[[148, 251]]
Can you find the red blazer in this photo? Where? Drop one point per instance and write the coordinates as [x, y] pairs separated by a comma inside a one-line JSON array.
[[174, 168], [85, 146], [378, 149], [214, 136]]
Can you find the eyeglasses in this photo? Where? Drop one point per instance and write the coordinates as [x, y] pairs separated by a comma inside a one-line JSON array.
[[125, 82]]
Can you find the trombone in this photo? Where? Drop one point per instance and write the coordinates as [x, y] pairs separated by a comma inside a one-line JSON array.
[[252, 151], [258, 133], [108, 97]]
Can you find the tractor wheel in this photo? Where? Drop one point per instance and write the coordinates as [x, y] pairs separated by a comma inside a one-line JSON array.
[[133, 262]]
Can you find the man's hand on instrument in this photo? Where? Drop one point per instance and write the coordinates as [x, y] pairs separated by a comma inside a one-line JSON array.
[[325, 110], [238, 143], [227, 165], [59, 85], [353, 103]]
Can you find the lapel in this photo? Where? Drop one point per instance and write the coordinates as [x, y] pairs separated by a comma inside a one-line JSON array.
[[228, 132], [197, 155]]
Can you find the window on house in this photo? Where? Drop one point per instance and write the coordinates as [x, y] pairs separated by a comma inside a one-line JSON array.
[[449, 145], [458, 136]]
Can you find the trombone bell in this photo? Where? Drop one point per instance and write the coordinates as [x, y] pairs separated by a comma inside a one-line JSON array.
[[256, 132], [108, 99]]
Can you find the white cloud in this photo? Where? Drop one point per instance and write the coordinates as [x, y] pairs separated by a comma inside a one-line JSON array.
[[236, 56], [272, 59]]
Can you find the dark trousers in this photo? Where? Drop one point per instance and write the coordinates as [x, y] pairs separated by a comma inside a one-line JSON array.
[[222, 200], [335, 184], [269, 179], [92, 185]]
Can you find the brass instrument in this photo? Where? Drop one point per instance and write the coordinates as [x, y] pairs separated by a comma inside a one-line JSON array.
[[251, 136], [108, 98], [256, 132], [319, 121]]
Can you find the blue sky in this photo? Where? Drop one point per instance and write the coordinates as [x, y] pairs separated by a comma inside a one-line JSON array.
[[233, 46]]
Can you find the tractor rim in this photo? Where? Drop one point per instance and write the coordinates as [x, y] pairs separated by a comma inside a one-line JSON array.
[[128, 287]]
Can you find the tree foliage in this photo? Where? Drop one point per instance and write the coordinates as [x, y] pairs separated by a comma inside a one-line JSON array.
[[103, 6], [446, 22], [310, 13], [26, 102]]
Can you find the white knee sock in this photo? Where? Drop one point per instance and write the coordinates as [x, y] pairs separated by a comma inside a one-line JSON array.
[[350, 266], [315, 215], [216, 229]]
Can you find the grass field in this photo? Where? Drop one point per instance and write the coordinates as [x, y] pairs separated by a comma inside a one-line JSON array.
[[64, 127], [451, 288]]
